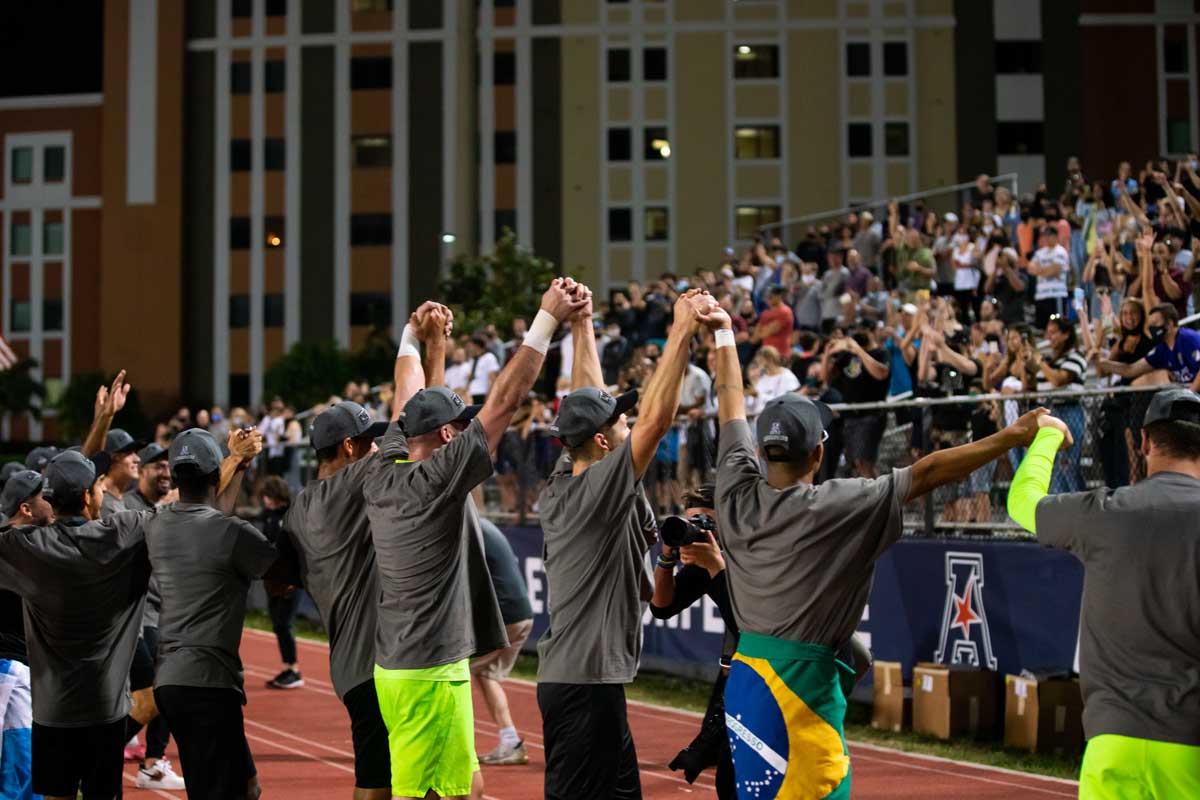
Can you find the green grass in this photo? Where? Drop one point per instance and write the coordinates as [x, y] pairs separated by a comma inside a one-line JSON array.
[[686, 694]]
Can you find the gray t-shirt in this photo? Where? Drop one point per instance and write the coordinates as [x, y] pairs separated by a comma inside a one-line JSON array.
[[511, 591], [328, 528], [134, 501], [1139, 629], [83, 584], [800, 561], [204, 562], [111, 504], [437, 605], [598, 528]]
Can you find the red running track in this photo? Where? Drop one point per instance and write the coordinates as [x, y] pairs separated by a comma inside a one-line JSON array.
[[301, 743]]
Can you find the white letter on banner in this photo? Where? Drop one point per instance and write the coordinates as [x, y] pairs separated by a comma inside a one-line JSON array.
[[712, 622], [533, 580]]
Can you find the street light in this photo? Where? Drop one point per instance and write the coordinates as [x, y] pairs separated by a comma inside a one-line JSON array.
[[448, 238]]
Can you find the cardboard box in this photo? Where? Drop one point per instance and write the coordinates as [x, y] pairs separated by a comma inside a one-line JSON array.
[[892, 706], [955, 701], [1043, 716]]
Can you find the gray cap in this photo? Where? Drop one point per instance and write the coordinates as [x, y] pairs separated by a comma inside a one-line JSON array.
[[70, 474], [198, 448], [10, 469], [1173, 405], [20, 487], [585, 411], [119, 441], [430, 409], [346, 420], [151, 453], [102, 461], [39, 457], [795, 423]]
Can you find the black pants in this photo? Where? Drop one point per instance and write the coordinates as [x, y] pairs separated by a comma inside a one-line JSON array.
[[283, 613], [372, 756], [210, 732], [589, 749], [158, 732], [70, 760]]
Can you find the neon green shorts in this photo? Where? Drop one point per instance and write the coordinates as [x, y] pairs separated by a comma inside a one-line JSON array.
[[431, 728], [1123, 768]]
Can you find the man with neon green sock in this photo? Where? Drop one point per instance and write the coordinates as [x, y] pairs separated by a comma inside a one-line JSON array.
[[1139, 636]]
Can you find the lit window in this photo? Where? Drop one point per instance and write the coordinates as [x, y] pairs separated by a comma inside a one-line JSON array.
[[757, 141], [22, 164], [657, 145], [750, 218], [658, 224], [52, 238], [273, 231], [373, 151], [755, 61], [20, 239], [54, 164]]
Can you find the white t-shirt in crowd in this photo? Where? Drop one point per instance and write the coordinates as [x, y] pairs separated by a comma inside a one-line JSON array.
[[1052, 287], [484, 368], [966, 274], [457, 376], [696, 385], [567, 349], [769, 387], [272, 429]]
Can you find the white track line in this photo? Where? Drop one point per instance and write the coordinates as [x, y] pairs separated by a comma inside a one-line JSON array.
[[958, 773], [942, 760]]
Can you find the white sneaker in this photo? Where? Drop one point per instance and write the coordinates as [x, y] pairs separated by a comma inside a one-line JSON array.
[[160, 776]]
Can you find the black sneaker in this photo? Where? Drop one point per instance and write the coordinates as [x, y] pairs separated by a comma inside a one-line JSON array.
[[288, 679]]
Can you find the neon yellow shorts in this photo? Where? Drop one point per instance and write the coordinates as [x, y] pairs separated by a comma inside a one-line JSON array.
[[1124, 768], [431, 728]]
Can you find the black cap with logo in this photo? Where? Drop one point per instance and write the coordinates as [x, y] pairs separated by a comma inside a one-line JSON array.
[[345, 420], [584, 412], [1173, 405], [794, 423], [430, 409]]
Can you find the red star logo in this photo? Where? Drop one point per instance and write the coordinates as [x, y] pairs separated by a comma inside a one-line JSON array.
[[965, 616]]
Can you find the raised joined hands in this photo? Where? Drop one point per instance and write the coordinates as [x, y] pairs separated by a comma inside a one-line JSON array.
[[564, 299]]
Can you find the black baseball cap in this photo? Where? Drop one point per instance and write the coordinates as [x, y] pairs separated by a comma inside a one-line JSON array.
[[102, 461], [1173, 405], [70, 474], [198, 448], [39, 457], [430, 409], [795, 423], [585, 411], [119, 441], [19, 488], [152, 452], [345, 420], [10, 469]]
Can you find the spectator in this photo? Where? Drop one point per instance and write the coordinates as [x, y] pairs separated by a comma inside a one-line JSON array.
[[614, 352], [868, 241], [482, 368], [519, 329], [283, 601], [1175, 349], [774, 328], [274, 428], [697, 387], [1050, 266], [860, 276], [1007, 284], [860, 372], [833, 286], [914, 265], [966, 274], [945, 370], [218, 424], [1063, 374], [943, 253], [806, 299], [768, 380], [457, 376], [1121, 414]]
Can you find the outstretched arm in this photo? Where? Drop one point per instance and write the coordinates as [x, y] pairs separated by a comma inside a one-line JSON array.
[[109, 400], [1032, 481], [585, 367], [956, 463]]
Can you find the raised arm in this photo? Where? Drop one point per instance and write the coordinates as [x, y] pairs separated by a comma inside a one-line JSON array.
[[513, 383], [1032, 480], [109, 400], [956, 463], [244, 445], [875, 368], [731, 397], [431, 324], [585, 368]]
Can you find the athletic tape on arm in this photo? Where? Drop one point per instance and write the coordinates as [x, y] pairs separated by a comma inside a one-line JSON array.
[[410, 345], [541, 331], [1032, 481]]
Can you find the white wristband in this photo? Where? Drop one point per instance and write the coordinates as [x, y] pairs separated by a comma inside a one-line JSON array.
[[724, 338], [410, 345], [540, 332]]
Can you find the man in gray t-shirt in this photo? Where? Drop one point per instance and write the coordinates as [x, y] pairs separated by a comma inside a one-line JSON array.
[[800, 559], [598, 528]]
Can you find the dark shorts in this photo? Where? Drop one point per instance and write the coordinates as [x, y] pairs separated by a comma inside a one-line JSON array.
[[372, 758], [589, 750], [208, 728], [69, 760], [862, 434], [141, 672]]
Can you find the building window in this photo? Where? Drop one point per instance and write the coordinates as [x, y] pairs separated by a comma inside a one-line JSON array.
[[20, 316], [504, 147], [1019, 138], [425, 15], [858, 138], [54, 164], [1175, 51], [371, 73], [22, 164], [245, 8], [274, 154], [1179, 136], [273, 231], [1018, 58], [895, 138], [756, 141], [239, 233], [372, 151], [239, 311], [858, 59], [272, 310], [504, 219], [657, 145], [242, 8], [239, 155], [274, 77], [658, 224], [276, 8], [21, 239], [52, 315], [240, 77], [749, 219], [756, 61], [620, 144], [370, 229], [504, 69], [654, 64], [371, 308], [239, 389], [618, 65], [52, 238], [620, 224], [361, 6], [895, 59]]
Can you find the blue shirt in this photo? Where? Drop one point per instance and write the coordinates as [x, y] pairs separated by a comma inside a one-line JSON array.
[[1182, 360], [901, 378]]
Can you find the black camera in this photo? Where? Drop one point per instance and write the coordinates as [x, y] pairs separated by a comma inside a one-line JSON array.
[[678, 532]]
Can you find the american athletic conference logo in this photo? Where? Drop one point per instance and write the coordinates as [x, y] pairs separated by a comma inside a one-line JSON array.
[[965, 638]]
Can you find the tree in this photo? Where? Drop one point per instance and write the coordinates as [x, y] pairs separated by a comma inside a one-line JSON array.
[[20, 392], [77, 406], [308, 374], [496, 288]]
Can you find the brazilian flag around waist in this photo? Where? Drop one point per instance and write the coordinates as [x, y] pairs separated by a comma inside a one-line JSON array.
[[784, 707]]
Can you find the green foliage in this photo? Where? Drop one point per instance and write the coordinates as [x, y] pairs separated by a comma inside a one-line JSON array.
[[496, 288], [77, 405], [308, 374], [20, 391]]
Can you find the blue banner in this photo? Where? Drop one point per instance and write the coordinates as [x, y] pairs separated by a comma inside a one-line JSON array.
[[1005, 606]]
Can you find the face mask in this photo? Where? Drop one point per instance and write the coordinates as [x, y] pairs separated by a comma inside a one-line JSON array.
[[1157, 332], [216, 417], [808, 280]]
